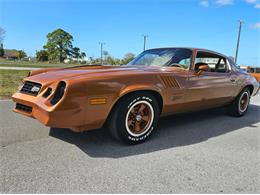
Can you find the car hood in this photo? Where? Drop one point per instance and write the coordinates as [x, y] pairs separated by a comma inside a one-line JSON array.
[[52, 75]]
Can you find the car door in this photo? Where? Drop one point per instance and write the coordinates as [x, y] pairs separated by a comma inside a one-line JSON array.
[[211, 88], [174, 77]]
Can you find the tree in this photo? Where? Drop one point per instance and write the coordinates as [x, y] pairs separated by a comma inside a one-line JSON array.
[[42, 55], [59, 45], [109, 59], [127, 58], [77, 54], [82, 55], [94, 60], [21, 54], [2, 51]]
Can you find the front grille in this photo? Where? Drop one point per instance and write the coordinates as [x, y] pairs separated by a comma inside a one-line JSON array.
[[31, 88], [23, 108]]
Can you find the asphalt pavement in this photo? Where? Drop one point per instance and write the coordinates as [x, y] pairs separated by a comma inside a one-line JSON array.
[[202, 152]]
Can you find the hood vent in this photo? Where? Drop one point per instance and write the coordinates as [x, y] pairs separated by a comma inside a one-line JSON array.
[[169, 82]]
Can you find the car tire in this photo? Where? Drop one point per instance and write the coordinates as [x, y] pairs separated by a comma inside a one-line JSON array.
[[240, 105], [134, 118]]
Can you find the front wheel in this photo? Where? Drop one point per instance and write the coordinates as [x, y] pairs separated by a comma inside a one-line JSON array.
[[240, 105], [134, 118]]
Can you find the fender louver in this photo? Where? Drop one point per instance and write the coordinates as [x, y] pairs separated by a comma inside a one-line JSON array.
[[169, 82]]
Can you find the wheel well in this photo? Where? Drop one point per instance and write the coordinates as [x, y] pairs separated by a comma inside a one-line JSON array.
[[251, 88], [158, 98], [153, 93]]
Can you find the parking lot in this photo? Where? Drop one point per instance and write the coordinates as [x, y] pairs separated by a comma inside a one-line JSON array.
[[202, 152]]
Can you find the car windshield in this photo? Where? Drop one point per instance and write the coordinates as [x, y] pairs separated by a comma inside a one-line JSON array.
[[176, 57]]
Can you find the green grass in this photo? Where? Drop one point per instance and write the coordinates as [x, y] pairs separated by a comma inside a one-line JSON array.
[[9, 81], [33, 65]]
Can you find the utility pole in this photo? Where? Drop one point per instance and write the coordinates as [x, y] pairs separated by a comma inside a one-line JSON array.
[[101, 51], [238, 39], [145, 37]]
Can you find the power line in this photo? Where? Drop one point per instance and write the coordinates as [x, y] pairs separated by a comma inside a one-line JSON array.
[[238, 39]]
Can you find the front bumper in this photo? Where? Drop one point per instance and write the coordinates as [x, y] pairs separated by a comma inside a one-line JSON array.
[[58, 116]]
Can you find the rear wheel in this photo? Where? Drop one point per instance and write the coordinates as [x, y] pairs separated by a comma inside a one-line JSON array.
[[240, 105], [134, 118]]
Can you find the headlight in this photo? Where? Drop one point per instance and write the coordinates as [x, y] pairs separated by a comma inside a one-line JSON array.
[[59, 92]]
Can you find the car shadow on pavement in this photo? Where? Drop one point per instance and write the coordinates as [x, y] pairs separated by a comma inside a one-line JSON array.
[[173, 131]]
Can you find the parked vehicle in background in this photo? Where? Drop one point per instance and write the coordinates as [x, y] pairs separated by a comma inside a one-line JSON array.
[[129, 99], [256, 75], [254, 71]]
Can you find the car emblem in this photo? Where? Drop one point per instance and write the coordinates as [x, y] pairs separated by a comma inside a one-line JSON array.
[[35, 89]]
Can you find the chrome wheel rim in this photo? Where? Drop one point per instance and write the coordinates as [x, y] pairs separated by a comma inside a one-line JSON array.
[[243, 102], [139, 118]]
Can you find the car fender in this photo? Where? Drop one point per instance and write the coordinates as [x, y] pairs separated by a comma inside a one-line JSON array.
[[134, 88], [248, 81]]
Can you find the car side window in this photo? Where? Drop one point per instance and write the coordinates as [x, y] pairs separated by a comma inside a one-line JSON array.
[[215, 62]]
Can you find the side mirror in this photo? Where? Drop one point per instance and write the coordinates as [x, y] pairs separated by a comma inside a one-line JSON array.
[[202, 68]]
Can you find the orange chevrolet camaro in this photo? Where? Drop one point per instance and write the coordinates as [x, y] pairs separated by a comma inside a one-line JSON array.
[[129, 99]]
